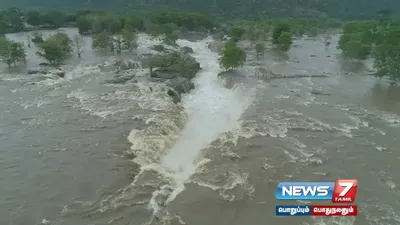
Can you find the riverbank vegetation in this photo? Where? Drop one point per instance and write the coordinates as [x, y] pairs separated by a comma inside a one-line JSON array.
[[378, 39], [117, 32]]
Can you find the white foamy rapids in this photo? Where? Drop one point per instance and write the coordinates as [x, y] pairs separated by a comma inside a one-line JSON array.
[[212, 110], [145, 42]]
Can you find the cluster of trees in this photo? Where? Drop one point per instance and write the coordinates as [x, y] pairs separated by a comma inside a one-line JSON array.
[[233, 56], [378, 39], [125, 40], [96, 21]]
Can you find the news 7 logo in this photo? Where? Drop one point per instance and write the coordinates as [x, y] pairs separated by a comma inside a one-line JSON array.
[[341, 191], [345, 191]]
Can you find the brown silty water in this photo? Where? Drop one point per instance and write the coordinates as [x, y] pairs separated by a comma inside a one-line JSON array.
[[64, 143]]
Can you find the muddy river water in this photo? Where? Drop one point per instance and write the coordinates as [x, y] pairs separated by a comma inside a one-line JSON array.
[[67, 144]]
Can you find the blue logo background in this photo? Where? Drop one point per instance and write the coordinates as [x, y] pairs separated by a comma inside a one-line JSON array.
[[293, 210], [279, 195]]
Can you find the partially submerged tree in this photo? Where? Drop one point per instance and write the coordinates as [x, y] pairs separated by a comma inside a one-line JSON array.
[[117, 42], [56, 49], [171, 38], [79, 42], [101, 41], [260, 49], [129, 37], [236, 33], [11, 52], [284, 41], [278, 30], [282, 36], [232, 56]]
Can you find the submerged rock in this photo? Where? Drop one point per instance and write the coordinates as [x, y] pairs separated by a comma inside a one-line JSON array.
[[187, 50], [38, 71], [179, 86], [216, 46], [58, 72], [264, 73], [120, 79], [126, 64], [44, 64]]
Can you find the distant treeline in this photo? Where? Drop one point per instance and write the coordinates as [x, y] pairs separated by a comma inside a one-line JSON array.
[[153, 22], [228, 9], [16, 20]]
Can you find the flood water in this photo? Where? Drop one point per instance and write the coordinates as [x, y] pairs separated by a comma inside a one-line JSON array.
[[83, 151]]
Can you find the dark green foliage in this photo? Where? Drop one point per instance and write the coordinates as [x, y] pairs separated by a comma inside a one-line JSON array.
[[285, 41], [278, 30], [386, 52], [56, 49], [357, 39], [379, 39], [11, 52], [260, 48], [345, 9], [236, 33], [101, 41], [232, 56], [170, 38]]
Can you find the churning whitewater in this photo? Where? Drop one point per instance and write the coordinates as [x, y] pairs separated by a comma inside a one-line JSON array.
[[211, 108], [208, 111]]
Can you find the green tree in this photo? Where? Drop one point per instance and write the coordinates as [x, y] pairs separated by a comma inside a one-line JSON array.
[[171, 38], [260, 48], [84, 24], [54, 18], [252, 34], [101, 41], [232, 56], [358, 38], [236, 33], [34, 18], [278, 30], [13, 17], [129, 37], [284, 41], [386, 53], [56, 49], [79, 43], [11, 52]]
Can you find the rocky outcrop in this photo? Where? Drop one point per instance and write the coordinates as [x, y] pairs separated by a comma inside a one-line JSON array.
[[173, 65], [177, 70], [179, 85]]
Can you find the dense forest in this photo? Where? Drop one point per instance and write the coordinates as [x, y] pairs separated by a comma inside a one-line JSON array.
[[343, 9]]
